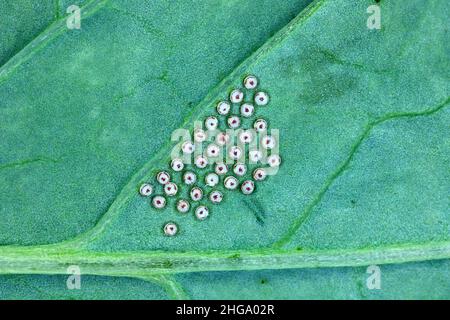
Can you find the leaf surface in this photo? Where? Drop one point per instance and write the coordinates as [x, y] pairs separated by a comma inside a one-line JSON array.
[[363, 118], [98, 102]]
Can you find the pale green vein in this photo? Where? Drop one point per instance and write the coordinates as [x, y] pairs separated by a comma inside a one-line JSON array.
[[42, 40], [146, 24], [26, 162], [42, 260], [286, 238], [173, 289], [57, 9], [309, 208]]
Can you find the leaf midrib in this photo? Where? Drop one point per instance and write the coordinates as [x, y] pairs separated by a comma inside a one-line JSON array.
[[42, 39], [42, 260]]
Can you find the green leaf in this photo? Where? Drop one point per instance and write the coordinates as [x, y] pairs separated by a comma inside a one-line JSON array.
[[363, 118], [19, 287], [21, 21], [420, 280], [82, 108]]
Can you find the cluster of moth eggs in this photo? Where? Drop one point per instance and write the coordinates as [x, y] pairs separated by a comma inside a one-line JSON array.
[[212, 179]]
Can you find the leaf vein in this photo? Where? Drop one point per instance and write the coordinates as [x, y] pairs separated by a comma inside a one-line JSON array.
[[304, 216]]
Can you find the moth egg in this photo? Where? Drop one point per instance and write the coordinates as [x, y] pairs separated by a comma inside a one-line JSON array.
[[240, 169], [274, 160], [259, 174], [221, 168], [201, 162], [170, 229], [216, 197], [199, 135], [211, 179], [268, 142], [247, 110], [177, 165], [196, 194], [261, 98], [234, 122], [183, 206], [211, 123], [260, 125], [246, 136], [189, 178], [146, 190], [230, 183], [170, 189], [235, 152], [250, 82], [212, 151], [163, 177], [222, 138], [188, 147], [223, 108], [248, 187], [236, 96], [159, 202], [201, 212], [255, 156]]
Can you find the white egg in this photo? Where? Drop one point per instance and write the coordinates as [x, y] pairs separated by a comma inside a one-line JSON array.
[[247, 110], [259, 174], [146, 189], [159, 202], [268, 142], [216, 197], [163, 177], [212, 151], [236, 96], [223, 108], [201, 162], [188, 147], [211, 179], [230, 183], [240, 169], [196, 194], [221, 168], [260, 125], [201, 212], [235, 152], [250, 82], [255, 156], [177, 165], [234, 122], [170, 229], [261, 98], [183, 206], [246, 136], [170, 189], [222, 138], [248, 187], [189, 178], [200, 135], [274, 160], [211, 123]]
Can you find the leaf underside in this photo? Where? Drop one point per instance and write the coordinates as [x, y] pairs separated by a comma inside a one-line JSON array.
[[363, 117]]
